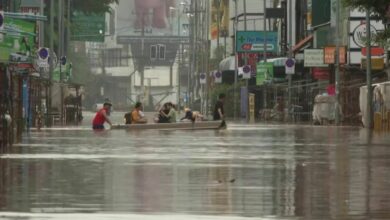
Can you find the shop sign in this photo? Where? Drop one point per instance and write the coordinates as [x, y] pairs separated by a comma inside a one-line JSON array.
[[375, 51], [376, 63], [314, 58], [320, 73], [360, 35], [253, 41], [329, 55]]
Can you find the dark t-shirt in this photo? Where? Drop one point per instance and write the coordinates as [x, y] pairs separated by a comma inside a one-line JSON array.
[[218, 105]]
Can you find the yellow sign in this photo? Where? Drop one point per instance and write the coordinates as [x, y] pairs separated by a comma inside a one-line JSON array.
[[376, 63], [251, 107]]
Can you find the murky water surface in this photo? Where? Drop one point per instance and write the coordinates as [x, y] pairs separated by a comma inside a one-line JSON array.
[[244, 172]]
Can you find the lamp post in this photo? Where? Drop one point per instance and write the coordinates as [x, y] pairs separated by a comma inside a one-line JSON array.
[[368, 73], [337, 63]]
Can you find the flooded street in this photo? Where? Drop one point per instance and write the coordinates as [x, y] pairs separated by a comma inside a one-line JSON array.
[[244, 172]]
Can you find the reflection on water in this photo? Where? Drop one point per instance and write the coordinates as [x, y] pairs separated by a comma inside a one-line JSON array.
[[263, 171]]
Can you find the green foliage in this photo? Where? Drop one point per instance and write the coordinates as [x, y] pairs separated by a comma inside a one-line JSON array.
[[378, 7], [382, 38]]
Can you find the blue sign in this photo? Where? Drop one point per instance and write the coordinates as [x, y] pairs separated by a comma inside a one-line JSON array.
[[253, 41], [290, 62], [43, 53]]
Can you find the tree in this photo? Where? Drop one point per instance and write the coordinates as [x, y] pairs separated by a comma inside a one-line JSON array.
[[380, 9]]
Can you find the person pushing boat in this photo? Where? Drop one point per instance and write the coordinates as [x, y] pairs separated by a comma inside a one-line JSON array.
[[101, 117]]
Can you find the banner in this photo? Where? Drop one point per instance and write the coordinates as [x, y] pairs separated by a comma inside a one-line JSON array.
[[17, 44], [65, 75], [219, 17], [264, 71]]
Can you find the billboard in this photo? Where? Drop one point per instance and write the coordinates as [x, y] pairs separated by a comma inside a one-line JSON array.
[[87, 27], [219, 23], [253, 41], [152, 18], [19, 41]]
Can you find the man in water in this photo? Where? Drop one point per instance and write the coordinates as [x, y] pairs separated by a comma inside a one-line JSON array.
[[101, 117], [219, 112]]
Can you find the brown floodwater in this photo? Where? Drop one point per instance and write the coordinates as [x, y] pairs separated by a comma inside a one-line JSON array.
[[245, 172]]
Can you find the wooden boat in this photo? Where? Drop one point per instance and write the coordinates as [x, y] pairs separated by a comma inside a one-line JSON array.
[[198, 125]]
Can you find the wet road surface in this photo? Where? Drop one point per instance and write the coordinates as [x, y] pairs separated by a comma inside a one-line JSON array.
[[244, 172]]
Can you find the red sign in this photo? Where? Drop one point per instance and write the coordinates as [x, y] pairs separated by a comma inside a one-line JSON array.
[[375, 51], [247, 47], [329, 54], [320, 73]]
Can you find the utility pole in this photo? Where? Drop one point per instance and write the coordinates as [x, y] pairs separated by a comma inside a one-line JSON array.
[[337, 63], [265, 48], [369, 80], [194, 49], [68, 28], [51, 66], [290, 54], [245, 63], [218, 23], [60, 54], [206, 57], [235, 60]]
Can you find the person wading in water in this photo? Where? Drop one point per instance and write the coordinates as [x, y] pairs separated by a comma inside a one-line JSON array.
[[101, 117]]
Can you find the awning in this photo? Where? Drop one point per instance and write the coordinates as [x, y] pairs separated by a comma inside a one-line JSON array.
[[302, 43], [227, 64]]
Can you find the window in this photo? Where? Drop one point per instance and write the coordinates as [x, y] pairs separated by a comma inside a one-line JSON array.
[[161, 53], [115, 57], [153, 52], [157, 51], [112, 23]]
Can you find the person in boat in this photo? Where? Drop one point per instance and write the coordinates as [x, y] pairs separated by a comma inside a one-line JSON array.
[[101, 117], [137, 115], [163, 113], [219, 113], [172, 114], [191, 115]]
